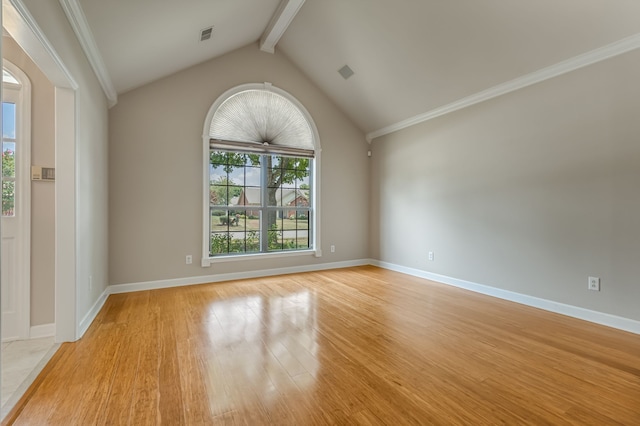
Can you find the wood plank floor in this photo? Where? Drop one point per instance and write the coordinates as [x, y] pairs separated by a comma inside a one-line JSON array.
[[351, 346]]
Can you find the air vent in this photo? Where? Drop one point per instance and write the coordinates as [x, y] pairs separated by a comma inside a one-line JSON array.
[[346, 72], [206, 34]]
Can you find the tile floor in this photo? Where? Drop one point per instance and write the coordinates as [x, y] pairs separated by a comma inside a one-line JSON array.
[[21, 361]]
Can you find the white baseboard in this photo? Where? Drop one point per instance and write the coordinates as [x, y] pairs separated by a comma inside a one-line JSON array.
[[178, 282], [609, 320], [93, 312], [601, 318], [42, 330]]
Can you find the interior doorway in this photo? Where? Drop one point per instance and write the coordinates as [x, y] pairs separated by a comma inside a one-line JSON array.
[[18, 22]]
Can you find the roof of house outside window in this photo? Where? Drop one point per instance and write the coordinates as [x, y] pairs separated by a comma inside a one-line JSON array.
[[284, 197]]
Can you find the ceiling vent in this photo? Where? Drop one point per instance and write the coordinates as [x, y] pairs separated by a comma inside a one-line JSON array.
[[346, 72], [206, 34]]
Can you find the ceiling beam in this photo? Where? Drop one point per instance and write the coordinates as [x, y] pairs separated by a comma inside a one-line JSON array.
[[282, 18]]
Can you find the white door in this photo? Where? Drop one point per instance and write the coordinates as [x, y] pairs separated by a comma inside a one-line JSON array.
[[14, 270]]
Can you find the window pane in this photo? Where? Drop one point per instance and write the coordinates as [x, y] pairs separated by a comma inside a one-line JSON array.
[[236, 159], [219, 243], [9, 159], [217, 195], [253, 160], [302, 220], [302, 241], [288, 170], [273, 161], [8, 198], [274, 197], [274, 221], [303, 166], [289, 184], [224, 192], [215, 221], [302, 229], [8, 120], [219, 220], [236, 175], [252, 176], [224, 162], [235, 192], [303, 182], [302, 198], [252, 242], [250, 196], [253, 220]]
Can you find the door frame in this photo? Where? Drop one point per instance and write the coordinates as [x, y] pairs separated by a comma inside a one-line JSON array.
[[24, 29], [22, 96]]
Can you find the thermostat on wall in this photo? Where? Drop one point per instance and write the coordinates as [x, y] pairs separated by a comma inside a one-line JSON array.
[[43, 173]]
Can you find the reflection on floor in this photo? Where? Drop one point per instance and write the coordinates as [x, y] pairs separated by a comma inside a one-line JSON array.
[[22, 360]]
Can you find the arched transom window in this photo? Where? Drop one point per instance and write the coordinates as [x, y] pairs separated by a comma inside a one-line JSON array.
[[262, 155]]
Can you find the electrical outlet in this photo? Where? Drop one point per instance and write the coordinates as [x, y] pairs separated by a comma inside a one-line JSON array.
[[333, 248], [189, 259], [594, 283], [431, 256]]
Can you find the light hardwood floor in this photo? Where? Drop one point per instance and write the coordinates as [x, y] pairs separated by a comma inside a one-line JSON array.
[[351, 346]]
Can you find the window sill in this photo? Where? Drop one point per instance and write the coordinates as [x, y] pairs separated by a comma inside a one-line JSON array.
[[207, 261]]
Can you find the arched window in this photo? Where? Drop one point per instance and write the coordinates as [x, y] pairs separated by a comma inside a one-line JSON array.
[[262, 152]]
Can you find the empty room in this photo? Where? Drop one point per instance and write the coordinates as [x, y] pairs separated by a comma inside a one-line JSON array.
[[310, 212]]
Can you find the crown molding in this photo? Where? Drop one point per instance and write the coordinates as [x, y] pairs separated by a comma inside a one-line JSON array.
[[609, 51], [282, 18], [16, 16], [80, 26]]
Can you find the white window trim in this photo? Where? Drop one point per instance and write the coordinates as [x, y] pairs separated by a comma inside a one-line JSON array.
[[271, 255], [207, 260]]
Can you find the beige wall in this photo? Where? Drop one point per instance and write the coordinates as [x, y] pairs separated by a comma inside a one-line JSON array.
[[42, 193], [155, 168], [530, 192], [91, 189]]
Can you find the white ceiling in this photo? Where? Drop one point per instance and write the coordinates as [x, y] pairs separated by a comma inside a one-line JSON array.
[[409, 56], [144, 40]]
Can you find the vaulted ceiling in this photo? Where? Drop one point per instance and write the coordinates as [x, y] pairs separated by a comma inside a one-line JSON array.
[[412, 59]]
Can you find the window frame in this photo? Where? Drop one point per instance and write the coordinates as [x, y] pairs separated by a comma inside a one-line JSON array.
[[264, 206], [314, 223], [12, 96]]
